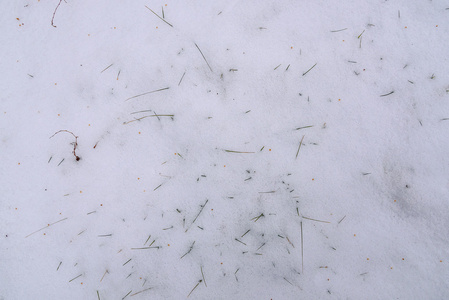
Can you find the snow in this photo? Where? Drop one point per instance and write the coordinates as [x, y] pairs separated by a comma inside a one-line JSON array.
[[203, 188]]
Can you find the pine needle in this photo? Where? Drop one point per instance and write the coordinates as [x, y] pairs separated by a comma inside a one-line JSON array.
[[147, 93], [309, 69], [203, 57], [299, 147], [158, 16]]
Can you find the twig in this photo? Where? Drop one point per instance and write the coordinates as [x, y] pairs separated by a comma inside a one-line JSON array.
[[203, 57], [55, 13], [74, 145], [158, 16], [147, 93]]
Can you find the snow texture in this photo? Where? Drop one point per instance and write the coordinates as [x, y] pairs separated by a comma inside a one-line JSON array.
[[228, 149]]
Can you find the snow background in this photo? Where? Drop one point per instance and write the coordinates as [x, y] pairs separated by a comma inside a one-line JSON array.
[[375, 168]]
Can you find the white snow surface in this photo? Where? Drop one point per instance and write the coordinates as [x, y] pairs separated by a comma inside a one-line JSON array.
[[288, 150]]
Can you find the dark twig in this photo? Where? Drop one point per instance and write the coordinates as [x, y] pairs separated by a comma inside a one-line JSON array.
[[55, 13], [74, 145]]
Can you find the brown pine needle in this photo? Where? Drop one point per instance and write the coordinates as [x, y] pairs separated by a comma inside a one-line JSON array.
[[158, 16]]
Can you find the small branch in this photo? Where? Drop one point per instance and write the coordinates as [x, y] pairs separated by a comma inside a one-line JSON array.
[[74, 145], [55, 13]]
